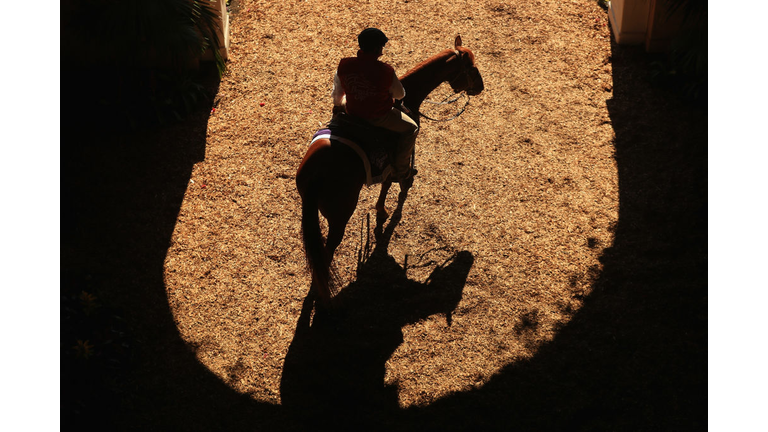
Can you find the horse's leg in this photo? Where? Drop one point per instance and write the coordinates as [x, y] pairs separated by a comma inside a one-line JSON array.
[[381, 210], [337, 223], [406, 184], [337, 206]]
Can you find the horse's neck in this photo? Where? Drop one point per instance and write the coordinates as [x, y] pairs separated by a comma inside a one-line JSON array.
[[420, 81]]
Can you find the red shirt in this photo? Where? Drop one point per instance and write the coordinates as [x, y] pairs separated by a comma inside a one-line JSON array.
[[366, 81]]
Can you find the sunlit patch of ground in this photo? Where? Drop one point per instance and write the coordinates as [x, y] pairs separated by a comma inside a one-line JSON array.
[[524, 181]]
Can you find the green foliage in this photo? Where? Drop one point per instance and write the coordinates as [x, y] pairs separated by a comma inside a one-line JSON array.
[[177, 96], [88, 302], [96, 352], [91, 330], [134, 61], [165, 33], [684, 67]]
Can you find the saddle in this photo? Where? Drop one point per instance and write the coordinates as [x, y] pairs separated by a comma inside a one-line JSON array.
[[374, 145]]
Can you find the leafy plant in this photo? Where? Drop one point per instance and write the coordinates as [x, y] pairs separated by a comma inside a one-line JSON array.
[[136, 58], [685, 65], [96, 353], [83, 349], [145, 33], [88, 302], [178, 95]]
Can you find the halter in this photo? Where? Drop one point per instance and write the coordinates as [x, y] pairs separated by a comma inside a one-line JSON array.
[[462, 71]]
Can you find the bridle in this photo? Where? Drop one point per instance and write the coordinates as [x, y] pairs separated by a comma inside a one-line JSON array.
[[463, 71], [447, 102]]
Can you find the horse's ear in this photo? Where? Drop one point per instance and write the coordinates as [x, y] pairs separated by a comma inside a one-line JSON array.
[[457, 42]]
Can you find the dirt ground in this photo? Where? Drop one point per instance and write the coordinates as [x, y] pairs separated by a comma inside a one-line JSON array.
[[547, 271]]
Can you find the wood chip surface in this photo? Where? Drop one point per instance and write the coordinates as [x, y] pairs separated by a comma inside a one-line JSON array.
[[524, 182]]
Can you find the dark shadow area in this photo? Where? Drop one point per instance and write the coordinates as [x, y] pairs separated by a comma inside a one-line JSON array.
[[123, 365], [333, 377], [632, 359]]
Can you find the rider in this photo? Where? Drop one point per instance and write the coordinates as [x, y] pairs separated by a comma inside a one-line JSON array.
[[367, 87]]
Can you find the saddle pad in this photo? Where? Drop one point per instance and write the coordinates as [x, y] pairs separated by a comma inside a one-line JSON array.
[[375, 159]]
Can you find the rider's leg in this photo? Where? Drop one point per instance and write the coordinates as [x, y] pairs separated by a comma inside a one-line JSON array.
[[401, 166], [401, 123]]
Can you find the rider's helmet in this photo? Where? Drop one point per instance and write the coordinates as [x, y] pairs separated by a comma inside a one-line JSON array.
[[372, 40]]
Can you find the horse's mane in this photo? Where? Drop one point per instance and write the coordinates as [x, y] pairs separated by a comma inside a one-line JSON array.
[[428, 62]]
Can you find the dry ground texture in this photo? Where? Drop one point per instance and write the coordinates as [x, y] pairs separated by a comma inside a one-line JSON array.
[[524, 181], [499, 245]]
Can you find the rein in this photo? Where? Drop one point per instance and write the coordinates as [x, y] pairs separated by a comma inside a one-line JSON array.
[[462, 72], [446, 102]]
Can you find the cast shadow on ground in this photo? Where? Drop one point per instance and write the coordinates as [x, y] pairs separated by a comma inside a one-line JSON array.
[[121, 192], [334, 371], [633, 358]]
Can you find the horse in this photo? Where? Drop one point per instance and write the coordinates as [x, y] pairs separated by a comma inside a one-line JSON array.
[[329, 178]]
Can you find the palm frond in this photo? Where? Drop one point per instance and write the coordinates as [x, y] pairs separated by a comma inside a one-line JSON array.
[[136, 32]]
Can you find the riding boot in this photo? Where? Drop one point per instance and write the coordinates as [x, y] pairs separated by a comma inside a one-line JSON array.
[[401, 166]]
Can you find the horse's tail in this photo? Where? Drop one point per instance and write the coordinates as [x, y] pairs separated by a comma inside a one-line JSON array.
[[314, 245]]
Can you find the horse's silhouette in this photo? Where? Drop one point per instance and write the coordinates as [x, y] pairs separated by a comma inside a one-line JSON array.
[[330, 177], [334, 371]]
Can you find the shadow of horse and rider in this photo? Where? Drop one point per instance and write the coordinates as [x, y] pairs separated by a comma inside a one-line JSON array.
[[334, 371]]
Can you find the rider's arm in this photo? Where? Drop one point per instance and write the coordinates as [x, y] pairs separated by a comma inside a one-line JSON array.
[[339, 98], [396, 89]]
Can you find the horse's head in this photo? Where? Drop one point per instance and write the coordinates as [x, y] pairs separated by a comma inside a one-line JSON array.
[[467, 76]]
